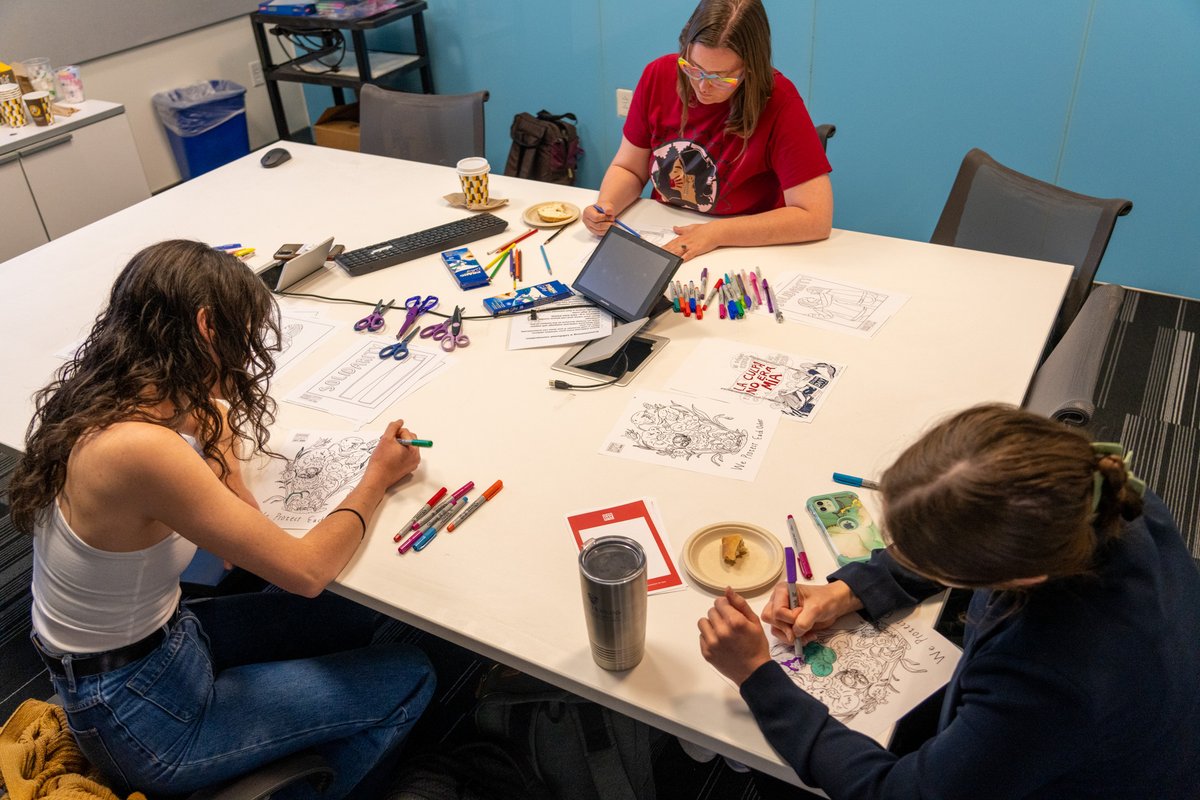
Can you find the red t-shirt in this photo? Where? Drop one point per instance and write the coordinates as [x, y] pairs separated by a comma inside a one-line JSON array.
[[705, 168]]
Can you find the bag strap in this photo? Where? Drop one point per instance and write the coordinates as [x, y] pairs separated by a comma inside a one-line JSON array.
[[600, 749], [547, 116]]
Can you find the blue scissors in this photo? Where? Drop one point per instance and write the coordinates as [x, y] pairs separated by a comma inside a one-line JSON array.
[[398, 350], [374, 321], [416, 307], [449, 333]]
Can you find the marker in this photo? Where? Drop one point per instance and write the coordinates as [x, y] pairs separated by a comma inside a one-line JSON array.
[[770, 302], [617, 221], [429, 504], [674, 298], [744, 282], [466, 487], [416, 442], [428, 535], [438, 517], [754, 285], [793, 598], [716, 288], [851, 480], [234, 246], [733, 308], [721, 305], [419, 523], [542, 247], [801, 556], [488, 494], [704, 281]]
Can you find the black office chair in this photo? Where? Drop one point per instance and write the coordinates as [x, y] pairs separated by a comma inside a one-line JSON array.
[[1064, 387], [433, 128], [1000, 210], [826, 133]]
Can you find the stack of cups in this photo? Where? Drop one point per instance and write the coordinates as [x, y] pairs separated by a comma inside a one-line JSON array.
[[11, 110], [70, 87], [473, 175]]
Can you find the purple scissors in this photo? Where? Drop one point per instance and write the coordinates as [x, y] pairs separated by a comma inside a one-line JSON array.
[[374, 321], [449, 333], [416, 307]]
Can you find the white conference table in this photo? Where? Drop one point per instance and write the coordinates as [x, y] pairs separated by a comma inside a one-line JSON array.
[[506, 584]]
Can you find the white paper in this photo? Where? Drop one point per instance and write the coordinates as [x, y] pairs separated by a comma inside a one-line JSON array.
[[298, 336], [641, 521], [870, 676], [697, 434], [318, 470], [358, 385], [794, 386], [559, 325], [658, 236], [835, 306]]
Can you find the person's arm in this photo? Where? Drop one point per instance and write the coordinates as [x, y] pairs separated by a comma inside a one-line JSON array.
[[160, 473], [622, 184], [807, 216]]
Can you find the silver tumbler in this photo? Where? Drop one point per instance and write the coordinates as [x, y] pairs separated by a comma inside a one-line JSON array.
[[612, 575]]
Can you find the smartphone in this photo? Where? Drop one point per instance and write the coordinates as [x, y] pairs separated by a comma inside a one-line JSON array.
[[845, 525], [287, 251], [335, 251]]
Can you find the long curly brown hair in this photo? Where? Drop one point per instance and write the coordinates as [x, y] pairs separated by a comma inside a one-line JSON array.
[[146, 350]]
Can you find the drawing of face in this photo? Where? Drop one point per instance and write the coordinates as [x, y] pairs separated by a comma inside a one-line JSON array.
[[317, 473]]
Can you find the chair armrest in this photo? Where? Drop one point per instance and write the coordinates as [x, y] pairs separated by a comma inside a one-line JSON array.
[[1065, 385], [269, 779]]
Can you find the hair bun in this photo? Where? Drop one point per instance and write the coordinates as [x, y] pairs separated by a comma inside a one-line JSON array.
[[1117, 496]]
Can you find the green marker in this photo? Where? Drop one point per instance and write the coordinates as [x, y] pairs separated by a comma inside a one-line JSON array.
[[416, 442]]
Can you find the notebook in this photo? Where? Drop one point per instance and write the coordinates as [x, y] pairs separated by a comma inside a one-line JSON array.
[[280, 275]]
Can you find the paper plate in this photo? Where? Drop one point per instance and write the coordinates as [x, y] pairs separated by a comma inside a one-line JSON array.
[[756, 570], [531, 215]]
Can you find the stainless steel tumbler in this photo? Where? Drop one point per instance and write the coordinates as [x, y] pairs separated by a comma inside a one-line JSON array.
[[612, 575]]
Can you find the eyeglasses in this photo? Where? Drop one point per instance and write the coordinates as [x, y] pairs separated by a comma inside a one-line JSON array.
[[716, 81]]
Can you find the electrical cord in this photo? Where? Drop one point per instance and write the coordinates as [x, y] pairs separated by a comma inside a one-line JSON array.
[[624, 362], [307, 42]]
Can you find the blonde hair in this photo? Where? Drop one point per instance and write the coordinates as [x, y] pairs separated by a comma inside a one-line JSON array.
[[740, 26]]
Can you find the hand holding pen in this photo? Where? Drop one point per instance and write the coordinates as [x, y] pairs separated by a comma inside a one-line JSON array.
[[599, 218]]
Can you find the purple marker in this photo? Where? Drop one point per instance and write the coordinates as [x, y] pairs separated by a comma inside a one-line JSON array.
[[770, 305], [789, 559]]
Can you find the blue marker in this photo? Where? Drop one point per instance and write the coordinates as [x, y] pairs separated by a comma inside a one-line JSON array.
[[851, 480]]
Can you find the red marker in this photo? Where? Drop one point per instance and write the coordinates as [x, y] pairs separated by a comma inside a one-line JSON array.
[[422, 512]]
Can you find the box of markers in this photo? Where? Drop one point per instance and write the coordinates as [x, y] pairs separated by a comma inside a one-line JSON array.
[[526, 297], [464, 268]]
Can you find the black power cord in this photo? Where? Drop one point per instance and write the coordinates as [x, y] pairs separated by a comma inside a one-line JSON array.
[[623, 361]]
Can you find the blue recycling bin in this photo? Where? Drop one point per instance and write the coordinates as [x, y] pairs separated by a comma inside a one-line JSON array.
[[205, 124]]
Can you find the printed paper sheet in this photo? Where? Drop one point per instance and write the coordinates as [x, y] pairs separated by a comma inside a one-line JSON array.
[[639, 520], [318, 470], [834, 305]]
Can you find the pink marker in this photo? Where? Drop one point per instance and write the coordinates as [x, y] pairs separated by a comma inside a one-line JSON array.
[[801, 556], [468, 486], [754, 283]]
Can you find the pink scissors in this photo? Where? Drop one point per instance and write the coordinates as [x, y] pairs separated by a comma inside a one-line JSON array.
[[449, 333]]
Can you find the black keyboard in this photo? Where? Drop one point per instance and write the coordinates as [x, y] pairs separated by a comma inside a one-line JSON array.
[[422, 243]]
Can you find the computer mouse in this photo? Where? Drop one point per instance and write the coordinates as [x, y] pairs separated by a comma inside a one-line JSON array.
[[275, 156]]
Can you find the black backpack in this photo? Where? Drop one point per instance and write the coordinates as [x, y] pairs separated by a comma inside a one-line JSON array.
[[545, 147], [580, 750]]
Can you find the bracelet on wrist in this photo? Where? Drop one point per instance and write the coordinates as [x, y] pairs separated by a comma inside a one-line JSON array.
[[362, 521]]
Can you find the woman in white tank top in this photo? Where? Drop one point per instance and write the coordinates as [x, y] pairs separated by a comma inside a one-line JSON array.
[[130, 464]]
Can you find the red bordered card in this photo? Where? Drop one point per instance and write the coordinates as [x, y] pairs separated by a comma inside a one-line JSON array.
[[639, 521]]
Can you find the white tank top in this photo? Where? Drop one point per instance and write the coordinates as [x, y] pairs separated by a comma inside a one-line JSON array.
[[87, 600]]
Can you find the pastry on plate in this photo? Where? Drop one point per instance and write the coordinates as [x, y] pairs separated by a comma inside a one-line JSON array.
[[732, 548], [553, 212]]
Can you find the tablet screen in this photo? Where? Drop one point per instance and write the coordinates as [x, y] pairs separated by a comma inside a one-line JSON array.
[[626, 275]]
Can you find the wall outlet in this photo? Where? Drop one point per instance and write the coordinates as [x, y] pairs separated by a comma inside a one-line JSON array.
[[256, 74], [624, 98]]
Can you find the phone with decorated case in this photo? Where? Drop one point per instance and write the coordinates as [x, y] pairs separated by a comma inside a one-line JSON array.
[[846, 526]]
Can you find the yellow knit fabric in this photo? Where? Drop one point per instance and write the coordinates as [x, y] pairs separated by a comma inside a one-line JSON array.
[[39, 758]]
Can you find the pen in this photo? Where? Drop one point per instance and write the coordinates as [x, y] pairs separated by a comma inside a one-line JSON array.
[[851, 480], [542, 247], [770, 302], [754, 285], [617, 221], [488, 494], [416, 442], [430, 503], [801, 556], [793, 599]]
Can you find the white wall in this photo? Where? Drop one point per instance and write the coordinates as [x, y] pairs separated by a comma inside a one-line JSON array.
[[222, 51]]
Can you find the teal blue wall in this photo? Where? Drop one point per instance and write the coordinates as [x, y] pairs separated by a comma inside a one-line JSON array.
[[1100, 96]]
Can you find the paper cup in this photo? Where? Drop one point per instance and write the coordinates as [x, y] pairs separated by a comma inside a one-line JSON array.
[[473, 175], [39, 108]]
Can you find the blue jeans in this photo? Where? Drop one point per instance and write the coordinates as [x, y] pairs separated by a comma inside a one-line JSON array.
[[243, 680]]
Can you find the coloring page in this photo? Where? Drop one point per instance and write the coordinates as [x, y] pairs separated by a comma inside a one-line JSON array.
[[696, 434], [297, 336], [792, 385], [870, 675], [835, 306], [359, 385], [317, 471]]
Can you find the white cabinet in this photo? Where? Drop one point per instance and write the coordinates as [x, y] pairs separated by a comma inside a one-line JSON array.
[[57, 179]]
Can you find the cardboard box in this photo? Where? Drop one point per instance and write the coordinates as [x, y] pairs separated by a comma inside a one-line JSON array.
[[338, 127]]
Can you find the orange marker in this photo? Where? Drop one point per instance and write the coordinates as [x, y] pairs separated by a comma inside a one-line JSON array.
[[471, 509]]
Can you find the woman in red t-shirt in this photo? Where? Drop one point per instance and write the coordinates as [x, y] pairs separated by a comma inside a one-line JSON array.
[[718, 130]]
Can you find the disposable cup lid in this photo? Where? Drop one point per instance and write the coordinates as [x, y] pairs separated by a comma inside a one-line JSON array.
[[473, 166], [36, 96]]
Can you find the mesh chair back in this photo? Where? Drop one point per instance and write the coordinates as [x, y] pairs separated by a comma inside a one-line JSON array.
[[1000, 210], [826, 133], [433, 128]]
